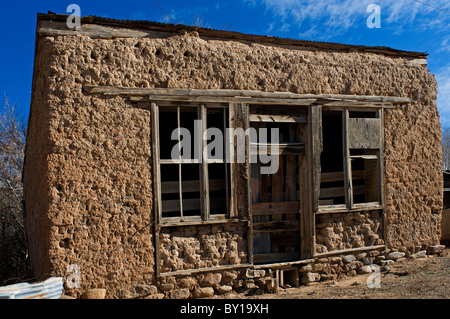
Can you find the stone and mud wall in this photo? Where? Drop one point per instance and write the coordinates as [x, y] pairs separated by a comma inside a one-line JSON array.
[[87, 177]]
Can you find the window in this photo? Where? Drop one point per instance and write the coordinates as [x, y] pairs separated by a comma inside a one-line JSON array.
[[193, 177], [351, 160]]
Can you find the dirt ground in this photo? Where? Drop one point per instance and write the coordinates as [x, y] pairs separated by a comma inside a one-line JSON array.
[[425, 278]]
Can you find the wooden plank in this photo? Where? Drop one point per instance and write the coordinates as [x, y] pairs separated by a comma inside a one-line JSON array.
[[290, 239], [187, 272], [277, 182], [317, 147], [204, 177], [191, 186], [340, 191], [350, 250], [264, 189], [291, 177], [276, 257], [347, 161], [275, 208], [279, 149], [156, 183], [155, 162], [339, 176], [174, 93], [276, 226], [276, 118], [364, 133]]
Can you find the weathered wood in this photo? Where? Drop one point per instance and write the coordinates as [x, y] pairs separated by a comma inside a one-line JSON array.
[[276, 118], [236, 93], [287, 148], [339, 176], [291, 177], [275, 208], [276, 226], [348, 183], [350, 250], [196, 220], [364, 133], [191, 186], [204, 177], [276, 257], [337, 209], [316, 150], [188, 272], [156, 182], [155, 162], [340, 191], [283, 264]]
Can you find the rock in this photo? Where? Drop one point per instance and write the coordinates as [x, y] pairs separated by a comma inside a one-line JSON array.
[[224, 289], [180, 294], [238, 283], [374, 253], [395, 255], [166, 287], [420, 254], [155, 296], [367, 260], [210, 280], [361, 256], [364, 270], [187, 283], [385, 269], [328, 277], [306, 268], [250, 284], [348, 259], [228, 277], [322, 260], [204, 292], [255, 273], [385, 252], [335, 260], [96, 293], [351, 273], [318, 267], [386, 262], [310, 277], [436, 249], [67, 297], [145, 289]]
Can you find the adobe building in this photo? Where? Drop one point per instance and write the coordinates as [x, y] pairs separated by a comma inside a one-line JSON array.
[[359, 180]]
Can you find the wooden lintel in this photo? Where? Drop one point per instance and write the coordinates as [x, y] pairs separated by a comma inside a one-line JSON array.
[[239, 96], [350, 250]]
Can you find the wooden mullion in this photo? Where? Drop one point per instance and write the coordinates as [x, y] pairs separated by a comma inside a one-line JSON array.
[[156, 184], [180, 188], [347, 162], [204, 176]]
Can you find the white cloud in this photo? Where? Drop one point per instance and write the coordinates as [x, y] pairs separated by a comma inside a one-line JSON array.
[[443, 100], [336, 17]]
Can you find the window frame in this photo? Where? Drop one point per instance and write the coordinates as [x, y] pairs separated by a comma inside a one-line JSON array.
[[349, 204], [205, 207]]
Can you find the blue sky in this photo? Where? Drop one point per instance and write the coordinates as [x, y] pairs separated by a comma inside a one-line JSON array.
[[405, 24]]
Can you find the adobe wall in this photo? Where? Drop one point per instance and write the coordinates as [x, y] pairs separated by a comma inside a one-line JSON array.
[[87, 179]]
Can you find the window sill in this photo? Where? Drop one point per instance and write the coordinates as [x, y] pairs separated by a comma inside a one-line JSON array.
[[343, 209], [172, 222]]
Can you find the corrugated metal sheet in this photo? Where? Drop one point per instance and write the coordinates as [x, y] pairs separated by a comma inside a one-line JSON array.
[[52, 288]]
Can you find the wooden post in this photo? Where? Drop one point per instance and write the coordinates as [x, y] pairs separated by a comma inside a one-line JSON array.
[[204, 176], [347, 162], [156, 183]]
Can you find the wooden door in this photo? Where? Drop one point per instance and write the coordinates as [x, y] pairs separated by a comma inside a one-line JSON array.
[[276, 201]]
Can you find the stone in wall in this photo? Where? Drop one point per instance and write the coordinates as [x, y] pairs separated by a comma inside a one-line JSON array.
[[348, 230], [202, 246]]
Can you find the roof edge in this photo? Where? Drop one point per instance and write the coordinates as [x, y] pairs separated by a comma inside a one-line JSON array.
[[234, 35]]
